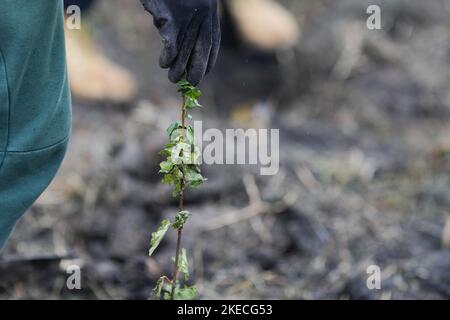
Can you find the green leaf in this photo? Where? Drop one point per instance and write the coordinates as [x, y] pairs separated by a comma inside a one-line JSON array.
[[191, 134], [183, 264], [190, 93], [191, 103], [184, 86], [159, 287], [174, 126], [194, 177], [197, 183], [165, 152], [166, 167], [158, 236], [178, 189], [186, 293], [169, 179], [168, 290], [181, 153], [195, 93], [194, 158], [174, 177], [180, 219]]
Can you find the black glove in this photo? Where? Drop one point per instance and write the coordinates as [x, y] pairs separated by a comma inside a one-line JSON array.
[[191, 34]]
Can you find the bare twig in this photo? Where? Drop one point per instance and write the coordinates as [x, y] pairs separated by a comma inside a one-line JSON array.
[[307, 178], [254, 196], [252, 189], [256, 207]]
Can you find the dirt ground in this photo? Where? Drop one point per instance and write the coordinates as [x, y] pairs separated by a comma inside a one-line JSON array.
[[364, 169]]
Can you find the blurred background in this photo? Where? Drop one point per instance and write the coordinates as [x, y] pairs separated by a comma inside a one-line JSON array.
[[364, 146]]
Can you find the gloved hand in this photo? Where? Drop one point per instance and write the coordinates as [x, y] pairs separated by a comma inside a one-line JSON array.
[[191, 34]]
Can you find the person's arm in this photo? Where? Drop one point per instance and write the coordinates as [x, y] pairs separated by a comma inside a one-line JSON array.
[[191, 34]]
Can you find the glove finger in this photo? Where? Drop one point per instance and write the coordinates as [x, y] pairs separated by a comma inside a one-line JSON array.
[[152, 7], [198, 61], [172, 45], [178, 69], [167, 29], [216, 37], [170, 35]]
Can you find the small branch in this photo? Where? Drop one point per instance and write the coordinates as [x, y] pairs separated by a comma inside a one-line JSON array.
[[183, 114], [176, 269]]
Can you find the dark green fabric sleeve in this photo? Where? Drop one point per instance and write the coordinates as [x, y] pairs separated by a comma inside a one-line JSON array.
[[35, 105]]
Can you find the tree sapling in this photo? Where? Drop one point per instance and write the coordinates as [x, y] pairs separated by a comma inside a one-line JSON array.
[[181, 169]]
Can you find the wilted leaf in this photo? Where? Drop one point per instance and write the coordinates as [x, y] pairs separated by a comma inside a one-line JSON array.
[[158, 236], [183, 264], [159, 287]]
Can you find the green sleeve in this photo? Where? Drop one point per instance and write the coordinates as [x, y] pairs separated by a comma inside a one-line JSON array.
[[35, 104]]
